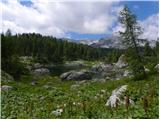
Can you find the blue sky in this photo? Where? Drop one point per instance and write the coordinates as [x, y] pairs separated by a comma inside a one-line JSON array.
[[76, 20]]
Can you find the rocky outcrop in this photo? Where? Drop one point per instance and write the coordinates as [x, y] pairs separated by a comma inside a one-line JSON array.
[[101, 68], [127, 73], [121, 63], [76, 75], [41, 71], [6, 87], [37, 66], [157, 67]]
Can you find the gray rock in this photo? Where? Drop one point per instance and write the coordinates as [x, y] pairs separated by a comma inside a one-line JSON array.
[[41, 71], [37, 66], [146, 70], [157, 67], [76, 75], [34, 83], [127, 73], [121, 63], [101, 68], [6, 87]]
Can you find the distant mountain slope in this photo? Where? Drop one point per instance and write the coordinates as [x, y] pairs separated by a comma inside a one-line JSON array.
[[112, 42], [109, 42]]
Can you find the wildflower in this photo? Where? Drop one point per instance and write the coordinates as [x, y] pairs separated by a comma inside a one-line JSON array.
[[114, 99], [74, 103], [97, 94], [64, 105], [101, 96], [103, 91], [95, 97], [119, 91], [57, 112]]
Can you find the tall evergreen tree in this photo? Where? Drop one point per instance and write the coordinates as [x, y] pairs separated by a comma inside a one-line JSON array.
[[130, 39]]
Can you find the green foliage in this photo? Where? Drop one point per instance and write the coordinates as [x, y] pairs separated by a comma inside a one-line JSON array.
[[14, 67], [85, 101]]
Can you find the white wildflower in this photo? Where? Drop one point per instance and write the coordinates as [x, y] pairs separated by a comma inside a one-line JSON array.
[[95, 97], [78, 103], [57, 112], [101, 96], [112, 101], [64, 105], [119, 91], [97, 94], [74, 103], [115, 96], [103, 91]]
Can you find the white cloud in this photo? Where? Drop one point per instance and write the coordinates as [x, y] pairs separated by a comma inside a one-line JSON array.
[[150, 27], [59, 18]]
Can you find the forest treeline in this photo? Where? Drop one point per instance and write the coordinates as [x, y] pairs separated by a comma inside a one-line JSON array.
[[49, 49]]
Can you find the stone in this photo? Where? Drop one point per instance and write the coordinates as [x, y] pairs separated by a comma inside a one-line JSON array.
[[41, 71], [37, 66], [157, 67], [76, 75], [121, 63], [146, 70], [101, 68], [127, 73], [6, 87]]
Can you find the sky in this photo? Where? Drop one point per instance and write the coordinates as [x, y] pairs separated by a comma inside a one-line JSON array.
[[91, 19]]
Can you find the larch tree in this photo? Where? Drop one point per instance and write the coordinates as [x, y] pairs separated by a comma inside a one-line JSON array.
[[130, 40]]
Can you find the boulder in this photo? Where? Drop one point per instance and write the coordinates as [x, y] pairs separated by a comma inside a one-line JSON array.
[[127, 73], [121, 63], [6, 87], [76, 75], [41, 71], [157, 67], [146, 70], [101, 68], [37, 66]]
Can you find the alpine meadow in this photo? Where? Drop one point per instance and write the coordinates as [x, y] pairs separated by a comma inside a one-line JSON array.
[[79, 59]]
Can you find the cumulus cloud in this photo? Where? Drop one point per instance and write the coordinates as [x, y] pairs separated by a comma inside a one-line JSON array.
[[150, 27], [59, 18]]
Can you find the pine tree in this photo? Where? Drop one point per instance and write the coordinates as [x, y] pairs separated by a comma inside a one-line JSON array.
[[130, 40]]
